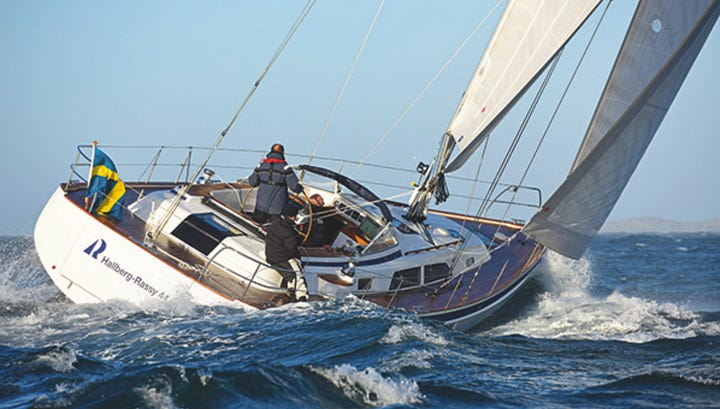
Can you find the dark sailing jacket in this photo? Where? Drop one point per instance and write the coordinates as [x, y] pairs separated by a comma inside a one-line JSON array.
[[281, 242], [274, 177], [323, 229]]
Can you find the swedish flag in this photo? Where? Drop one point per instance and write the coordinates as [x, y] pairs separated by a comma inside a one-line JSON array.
[[105, 189]]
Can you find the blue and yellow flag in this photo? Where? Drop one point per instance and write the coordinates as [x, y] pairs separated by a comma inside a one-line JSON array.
[[105, 189]]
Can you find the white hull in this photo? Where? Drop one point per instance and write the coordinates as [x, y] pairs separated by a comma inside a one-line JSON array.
[[91, 262]]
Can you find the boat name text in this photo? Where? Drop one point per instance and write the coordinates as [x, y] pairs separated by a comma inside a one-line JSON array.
[[117, 268]]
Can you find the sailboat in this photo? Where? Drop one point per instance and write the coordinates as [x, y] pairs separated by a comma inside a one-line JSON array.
[[151, 241]]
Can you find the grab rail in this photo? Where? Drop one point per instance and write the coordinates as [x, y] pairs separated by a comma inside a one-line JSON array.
[[259, 264], [514, 189], [185, 164]]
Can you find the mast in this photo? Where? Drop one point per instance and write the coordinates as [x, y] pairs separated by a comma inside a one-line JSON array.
[[432, 182]]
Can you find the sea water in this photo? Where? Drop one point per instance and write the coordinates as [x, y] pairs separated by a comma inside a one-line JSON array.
[[635, 323]]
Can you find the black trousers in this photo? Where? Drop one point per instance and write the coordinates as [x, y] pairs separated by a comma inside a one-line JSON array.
[[263, 218], [285, 269]]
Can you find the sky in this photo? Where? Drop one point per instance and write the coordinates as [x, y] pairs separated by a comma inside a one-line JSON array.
[[174, 73]]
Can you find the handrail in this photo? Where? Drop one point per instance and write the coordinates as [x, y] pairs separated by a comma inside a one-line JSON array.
[[167, 163], [153, 164], [514, 189], [73, 171], [259, 264], [76, 164], [185, 166], [300, 157]]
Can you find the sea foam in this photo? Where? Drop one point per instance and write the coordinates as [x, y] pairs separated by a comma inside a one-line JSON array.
[[60, 360], [371, 387], [401, 332], [569, 311]]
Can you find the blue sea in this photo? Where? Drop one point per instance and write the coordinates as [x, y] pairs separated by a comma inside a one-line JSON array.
[[635, 323]]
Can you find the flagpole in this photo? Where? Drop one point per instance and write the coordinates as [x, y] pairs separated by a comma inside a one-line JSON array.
[[92, 161]]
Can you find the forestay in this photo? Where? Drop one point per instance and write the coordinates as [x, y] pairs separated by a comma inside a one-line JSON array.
[[529, 34], [661, 45]]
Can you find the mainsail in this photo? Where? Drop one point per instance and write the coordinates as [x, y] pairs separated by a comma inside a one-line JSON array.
[[661, 45], [528, 36]]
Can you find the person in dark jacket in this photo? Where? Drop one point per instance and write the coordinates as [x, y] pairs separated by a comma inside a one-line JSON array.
[[323, 228], [282, 253], [273, 177]]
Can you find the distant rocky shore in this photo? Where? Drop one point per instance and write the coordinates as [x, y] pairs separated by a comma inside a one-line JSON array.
[[658, 225]]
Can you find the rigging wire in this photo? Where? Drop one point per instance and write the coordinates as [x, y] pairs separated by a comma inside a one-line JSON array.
[[178, 197], [518, 135], [303, 13], [557, 107], [485, 204], [345, 84], [475, 181], [424, 90], [477, 176]]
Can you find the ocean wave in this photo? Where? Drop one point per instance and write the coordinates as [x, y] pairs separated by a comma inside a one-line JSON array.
[[656, 389], [157, 395], [658, 380], [569, 311], [23, 281], [414, 358], [370, 387], [398, 333], [59, 360]]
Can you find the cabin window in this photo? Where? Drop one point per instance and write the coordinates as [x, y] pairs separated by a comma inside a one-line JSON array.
[[402, 227], [369, 228], [435, 272], [405, 278], [385, 239], [204, 231], [365, 284]]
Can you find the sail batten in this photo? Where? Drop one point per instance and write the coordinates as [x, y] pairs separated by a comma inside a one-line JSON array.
[[529, 35], [663, 41]]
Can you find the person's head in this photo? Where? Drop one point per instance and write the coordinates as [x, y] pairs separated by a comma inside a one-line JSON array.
[[290, 210], [278, 148], [317, 200]]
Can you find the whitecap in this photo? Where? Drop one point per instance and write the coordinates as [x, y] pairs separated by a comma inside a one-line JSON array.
[[371, 387], [569, 311], [205, 376], [413, 358], [62, 360], [703, 380], [398, 333], [158, 396]]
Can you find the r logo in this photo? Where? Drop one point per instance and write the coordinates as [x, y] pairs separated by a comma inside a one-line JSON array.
[[100, 243]]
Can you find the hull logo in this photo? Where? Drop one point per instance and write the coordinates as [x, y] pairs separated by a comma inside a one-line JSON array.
[[92, 251], [99, 246]]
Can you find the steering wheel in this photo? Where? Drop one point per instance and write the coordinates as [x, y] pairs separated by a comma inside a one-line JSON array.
[[306, 235]]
